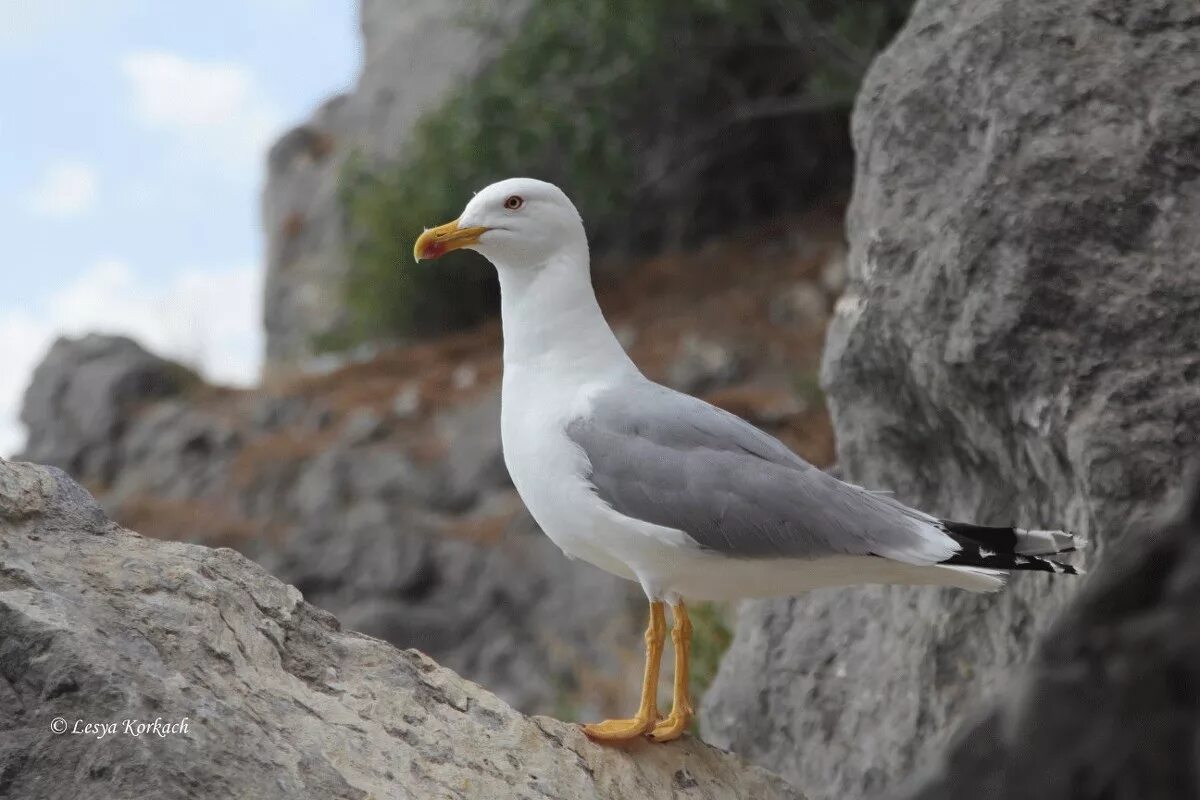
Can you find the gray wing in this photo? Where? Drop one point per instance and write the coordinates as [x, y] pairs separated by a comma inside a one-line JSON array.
[[663, 457]]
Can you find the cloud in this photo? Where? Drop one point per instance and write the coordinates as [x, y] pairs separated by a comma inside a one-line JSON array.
[[216, 109], [66, 189], [209, 319]]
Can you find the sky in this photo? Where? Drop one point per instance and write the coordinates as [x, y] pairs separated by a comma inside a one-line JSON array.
[[133, 136]]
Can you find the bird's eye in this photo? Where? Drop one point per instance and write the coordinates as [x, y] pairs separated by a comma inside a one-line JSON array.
[[513, 202]]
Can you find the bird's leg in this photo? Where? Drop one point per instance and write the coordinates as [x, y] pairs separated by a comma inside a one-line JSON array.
[[681, 706], [620, 730]]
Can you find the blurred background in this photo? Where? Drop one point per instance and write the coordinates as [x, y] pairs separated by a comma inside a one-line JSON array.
[[131, 163], [210, 317], [216, 209]]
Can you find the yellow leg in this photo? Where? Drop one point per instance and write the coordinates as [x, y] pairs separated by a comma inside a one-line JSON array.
[[620, 730], [681, 706]]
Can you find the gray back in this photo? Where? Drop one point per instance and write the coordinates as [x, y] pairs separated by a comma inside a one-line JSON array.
[[663, 457]]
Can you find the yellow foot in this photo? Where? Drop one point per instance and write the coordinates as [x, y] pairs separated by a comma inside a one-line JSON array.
[[671, 728], [618, 730]]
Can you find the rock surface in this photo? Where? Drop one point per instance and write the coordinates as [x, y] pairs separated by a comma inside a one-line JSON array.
[[84, 392], [422, 553], [413, 53], [98, 625], [1102, 711], [1019, 344]]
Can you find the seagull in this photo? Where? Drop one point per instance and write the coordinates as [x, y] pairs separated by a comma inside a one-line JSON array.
[[661, 488]]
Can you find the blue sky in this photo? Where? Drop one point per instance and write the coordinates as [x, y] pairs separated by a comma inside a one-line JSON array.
[[132, 141]]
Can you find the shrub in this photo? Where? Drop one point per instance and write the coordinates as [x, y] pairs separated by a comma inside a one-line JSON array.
[[662, 120]]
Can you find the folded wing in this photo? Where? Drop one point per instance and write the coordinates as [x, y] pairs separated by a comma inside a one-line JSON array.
[[666, 458]]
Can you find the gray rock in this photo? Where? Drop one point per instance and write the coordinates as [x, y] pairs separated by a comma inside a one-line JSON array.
[[1019, 343], [413, 54], [704, 364], [100, 626], [391, 545], [170, 450], [407, 402], [83, 392], [1100, 711], [833, 273], [802, 305], [363, 426], [474, 462]]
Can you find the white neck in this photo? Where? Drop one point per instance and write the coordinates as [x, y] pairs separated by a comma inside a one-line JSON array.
[[550, 316]]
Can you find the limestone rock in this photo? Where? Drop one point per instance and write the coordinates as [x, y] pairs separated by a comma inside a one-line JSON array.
[[1018, 344], [99, 626], [414, 52], [423, 554], [82, 393], [1099, 711]]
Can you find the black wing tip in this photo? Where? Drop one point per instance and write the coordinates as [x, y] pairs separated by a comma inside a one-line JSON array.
[[1009, 562], [1013, 540]]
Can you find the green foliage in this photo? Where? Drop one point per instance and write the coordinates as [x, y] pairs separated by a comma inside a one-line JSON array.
[[623, 103]]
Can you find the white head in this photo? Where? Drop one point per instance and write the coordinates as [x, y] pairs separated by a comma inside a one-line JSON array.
[[515, 223]]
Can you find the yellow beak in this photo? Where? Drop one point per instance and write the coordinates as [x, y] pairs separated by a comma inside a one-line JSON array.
[[436, 242]]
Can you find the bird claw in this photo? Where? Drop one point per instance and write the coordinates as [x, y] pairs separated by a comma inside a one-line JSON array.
[[671, 728], [619, 730]]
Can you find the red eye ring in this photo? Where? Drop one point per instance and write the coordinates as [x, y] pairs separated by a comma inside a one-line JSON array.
[[513, 202]]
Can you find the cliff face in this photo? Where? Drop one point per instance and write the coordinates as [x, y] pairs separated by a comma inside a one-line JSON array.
[[413, 53], [255, 692], [1102, 710], [1018, 344]]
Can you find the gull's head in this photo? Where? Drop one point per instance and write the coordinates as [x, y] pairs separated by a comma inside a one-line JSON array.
[[516, 223]]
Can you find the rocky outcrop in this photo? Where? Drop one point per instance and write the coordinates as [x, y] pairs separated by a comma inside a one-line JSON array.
[[233, 686], [84, 392], [1019, 344], [345, 501], [1102, 710], [413, 53]]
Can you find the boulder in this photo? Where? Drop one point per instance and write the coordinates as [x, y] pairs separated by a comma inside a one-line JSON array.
[[1106, 703], [1018, 344], [423, 554], [136, 667], [82, 394]]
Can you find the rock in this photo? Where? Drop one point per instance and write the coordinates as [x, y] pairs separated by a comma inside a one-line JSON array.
[[424, 552], [1020, 346], [414, 53], [803, 305], [704, 364], [407, 402], [1098, 712], [474, 460], [833, 273], [363, 426], [463, 377], [255, 692], [83, 392]]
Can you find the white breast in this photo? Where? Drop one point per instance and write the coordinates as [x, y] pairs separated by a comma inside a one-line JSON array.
[[548, 469]]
